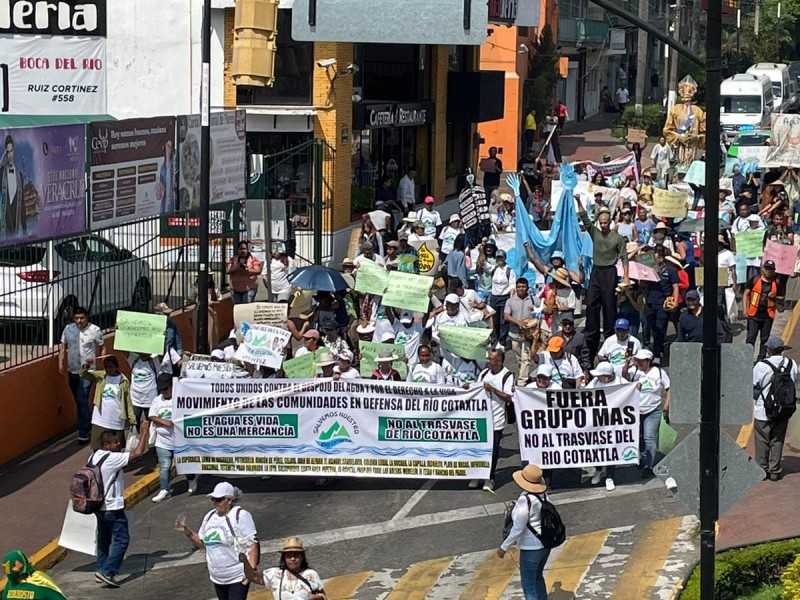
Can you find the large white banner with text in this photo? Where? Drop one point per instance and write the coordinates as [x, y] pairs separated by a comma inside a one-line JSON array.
[[52, 75], [562, 429], [323, 427]]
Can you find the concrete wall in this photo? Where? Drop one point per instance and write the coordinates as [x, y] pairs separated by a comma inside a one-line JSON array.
[[38, 404], [154, 60]]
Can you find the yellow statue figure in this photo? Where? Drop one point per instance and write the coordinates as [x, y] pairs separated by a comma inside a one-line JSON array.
[[686, 124]]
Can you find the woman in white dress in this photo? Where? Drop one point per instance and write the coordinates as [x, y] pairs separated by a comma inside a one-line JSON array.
[[291, 579]]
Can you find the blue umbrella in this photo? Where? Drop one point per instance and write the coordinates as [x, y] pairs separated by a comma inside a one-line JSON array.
[[317, 277]]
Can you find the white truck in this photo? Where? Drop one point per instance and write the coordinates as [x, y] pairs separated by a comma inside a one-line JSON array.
[[746, 103], [778, 74]]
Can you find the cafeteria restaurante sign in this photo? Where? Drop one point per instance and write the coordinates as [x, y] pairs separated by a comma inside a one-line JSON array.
[[396, 116]]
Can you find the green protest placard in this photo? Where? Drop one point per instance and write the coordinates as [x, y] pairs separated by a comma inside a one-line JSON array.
[[371, 278], [140, 332], [646, 258], [411, 292], [750, 242], [466, 342], [369, 352], [301, 367]]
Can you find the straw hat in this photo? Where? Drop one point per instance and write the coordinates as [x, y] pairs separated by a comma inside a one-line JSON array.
[[385, 356], [675, 259], [561, 275], [412, 217], [661, 226], [325, 359], [365, 329], [530, 479], [293, 544]]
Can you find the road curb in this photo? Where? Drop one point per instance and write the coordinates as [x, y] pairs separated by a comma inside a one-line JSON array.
[[52, 553]]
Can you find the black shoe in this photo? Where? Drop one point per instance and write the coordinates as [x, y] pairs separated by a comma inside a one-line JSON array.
[[107, 580], [775, 476], [647, 473], [83, 439]]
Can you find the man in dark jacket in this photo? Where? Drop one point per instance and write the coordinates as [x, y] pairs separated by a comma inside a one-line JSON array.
[[690, 324], [575, 343]]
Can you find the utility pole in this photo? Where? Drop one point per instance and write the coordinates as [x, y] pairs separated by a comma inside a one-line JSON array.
[[673, 69], [205, 185], [665, 78], [641, 59], [757, 17]]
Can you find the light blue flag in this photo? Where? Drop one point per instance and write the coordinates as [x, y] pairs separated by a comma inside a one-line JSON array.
[[564, 235]]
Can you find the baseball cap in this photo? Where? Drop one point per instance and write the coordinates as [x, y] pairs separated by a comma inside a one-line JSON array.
[[769, 264], [754, 217], [311, 334], [452, 299], [393, 244], [406, 318], [776, 343], [329, 324], [501, 254], [557, 254], [544, 371], [217, 353], [622, 324], [429, 200], [387, 335], [644, 354], [692, 295], [223, 490], [555, 344], [454, 217], [603, 368]]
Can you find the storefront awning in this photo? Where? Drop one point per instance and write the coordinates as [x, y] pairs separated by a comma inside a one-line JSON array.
[[7, 121]]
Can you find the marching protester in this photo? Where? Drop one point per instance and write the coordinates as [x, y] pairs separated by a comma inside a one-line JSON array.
[[567, 371], [292, 579], [113, 410], [498, 383], [160, 416], [518, 310], [605, 375], [759, 303], [224, 530], [23, 580], [620, 346], [243, 270]]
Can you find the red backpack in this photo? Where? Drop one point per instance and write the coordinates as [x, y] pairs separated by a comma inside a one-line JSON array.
[[86, 488]]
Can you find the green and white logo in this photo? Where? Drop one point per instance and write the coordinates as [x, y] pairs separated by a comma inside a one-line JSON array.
[[630, 454], [333, 436]]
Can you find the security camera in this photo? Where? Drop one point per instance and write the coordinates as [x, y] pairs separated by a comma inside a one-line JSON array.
[[326, 62], [357, 98], [351, 68]]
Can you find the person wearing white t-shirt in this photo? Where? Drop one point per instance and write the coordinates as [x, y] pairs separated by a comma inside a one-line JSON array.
[[113, 409], [617, 348], [653, 385], [280, 267], [726, 260], [567, 370], [222, 531], [407, 333], [145, 368], [543, 379], [604, 375], [160, 416], [113, 536], [345, 370], [498, 383], [292, 579], [449, 234], [425, 370], [430, 217], [462, 371], [753, 223], [81, 342], [448, 314]]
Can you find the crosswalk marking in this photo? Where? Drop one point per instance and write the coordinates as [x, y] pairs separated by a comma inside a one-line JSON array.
[[419, 579], [492, 577], [647, 557], [565, 572]]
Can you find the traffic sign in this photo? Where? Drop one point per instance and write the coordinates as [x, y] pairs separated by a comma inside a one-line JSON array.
[[737, 471]]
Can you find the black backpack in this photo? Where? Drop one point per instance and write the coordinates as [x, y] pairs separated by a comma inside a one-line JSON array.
[[780, 402], [552, 534]]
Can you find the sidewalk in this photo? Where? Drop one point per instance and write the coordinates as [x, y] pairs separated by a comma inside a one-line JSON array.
[[34, 491], [590, 139]]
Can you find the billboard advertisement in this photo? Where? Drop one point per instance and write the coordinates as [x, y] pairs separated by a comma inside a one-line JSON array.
[[55, 75], [42, 183], [132, 170], [228, 158]]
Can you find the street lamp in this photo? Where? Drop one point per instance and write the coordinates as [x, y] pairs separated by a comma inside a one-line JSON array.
[[205, 187]]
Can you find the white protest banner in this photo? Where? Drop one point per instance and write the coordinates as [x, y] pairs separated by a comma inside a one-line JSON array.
[[321, 427], [586, 190], [260, 313], [753, 154], [78, 532], [563, 429], [624, 165], [263, 345], [205, 368], [784, 150]]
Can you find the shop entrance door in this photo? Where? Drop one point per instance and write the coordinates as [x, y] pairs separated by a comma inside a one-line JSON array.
[[397, 147]]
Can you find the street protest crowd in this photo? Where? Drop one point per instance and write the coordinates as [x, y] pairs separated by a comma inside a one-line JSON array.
[[490, 299]]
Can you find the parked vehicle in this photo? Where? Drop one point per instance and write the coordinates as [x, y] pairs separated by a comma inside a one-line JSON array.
[[746, 103], [89, 271], [778, 74], [794, 96]]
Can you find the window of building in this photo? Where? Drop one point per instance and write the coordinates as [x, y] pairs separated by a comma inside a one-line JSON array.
[[294, 68]]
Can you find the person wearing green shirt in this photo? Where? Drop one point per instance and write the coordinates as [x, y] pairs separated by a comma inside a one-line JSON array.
[[24, 581], [609, 246]]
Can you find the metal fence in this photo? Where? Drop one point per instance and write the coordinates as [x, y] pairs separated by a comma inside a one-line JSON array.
[[135, 266]]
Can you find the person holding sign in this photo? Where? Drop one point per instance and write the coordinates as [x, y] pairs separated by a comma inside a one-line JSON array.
[[385, 370], [605, 375], [498, 383], [759, 304], [567, 370], [543, 379], [113, 410], [449, 314], [620, 346], [345, 370], [425, 370], [244, 269], [653, 385]]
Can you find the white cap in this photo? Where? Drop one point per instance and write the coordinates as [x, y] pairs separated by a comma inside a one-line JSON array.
[[644, 354], [345, 355], [406, 317], [603, 368], [223, 490], [217, 353], [387, 335], [452, 299], [544, 371]]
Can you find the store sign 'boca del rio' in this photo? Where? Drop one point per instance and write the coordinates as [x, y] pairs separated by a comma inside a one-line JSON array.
[[397, 116]]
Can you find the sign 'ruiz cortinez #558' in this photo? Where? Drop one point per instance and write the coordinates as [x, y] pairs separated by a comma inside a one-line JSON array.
[[52, 57]]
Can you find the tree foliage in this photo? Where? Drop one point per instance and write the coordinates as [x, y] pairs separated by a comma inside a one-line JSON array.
[[543, 68]]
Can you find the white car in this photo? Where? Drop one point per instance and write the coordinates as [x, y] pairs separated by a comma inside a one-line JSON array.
[[87, 271]]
